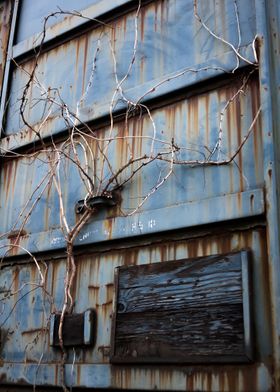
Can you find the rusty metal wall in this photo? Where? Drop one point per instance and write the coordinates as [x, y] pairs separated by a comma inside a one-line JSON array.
[[27, 309], [184, 218], [159, 22], [193, 123]]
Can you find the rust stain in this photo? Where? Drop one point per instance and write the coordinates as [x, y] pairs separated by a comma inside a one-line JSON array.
[[224, 244], [163, 8], [85, 62], [104, 311], [47, 208], [211, 378], [78, 375], [56, 373], [189, 381], [93, 294], [34, 275], [113, 36], [108, 227], [77, 62], [16, 279], [133, 124], [9, 172], [239, 200], [163, 252], [207, 125], [257, 134], [158, 14], [130, 257], [76, 286], [121, 144], [35, 331], [16, 233], [171, 112], [238, 113], [142, 68], [193, 117], [142, 18], [105, 351], [110, 291], [14, 242]]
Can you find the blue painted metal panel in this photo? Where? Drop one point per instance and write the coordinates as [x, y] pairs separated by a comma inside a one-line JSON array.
[[194, 124], [158, 56], [59, 26], [38, 11], [212, 210]]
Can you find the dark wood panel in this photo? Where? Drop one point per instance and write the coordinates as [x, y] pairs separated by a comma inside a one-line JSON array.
[[72, 331], [182, 311]]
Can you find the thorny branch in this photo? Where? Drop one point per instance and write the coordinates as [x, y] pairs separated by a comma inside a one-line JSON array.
[[89, 151]]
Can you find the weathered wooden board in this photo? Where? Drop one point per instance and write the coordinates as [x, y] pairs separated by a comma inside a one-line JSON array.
[[189, 310]]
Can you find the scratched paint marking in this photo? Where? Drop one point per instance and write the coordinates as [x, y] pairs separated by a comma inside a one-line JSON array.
[[57, 241]]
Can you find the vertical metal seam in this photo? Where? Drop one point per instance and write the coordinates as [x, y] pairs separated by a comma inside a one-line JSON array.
[[270, 178]]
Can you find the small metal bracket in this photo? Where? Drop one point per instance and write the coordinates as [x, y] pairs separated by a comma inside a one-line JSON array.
[[95, 202]]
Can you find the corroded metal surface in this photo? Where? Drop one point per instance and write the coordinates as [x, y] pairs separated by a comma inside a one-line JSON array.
[[25, 316], [158, 24], [194, 124]]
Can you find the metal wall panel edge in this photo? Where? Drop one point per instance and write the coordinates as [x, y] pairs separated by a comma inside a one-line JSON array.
[[225, 378], [212, 210], [167, 84], [267, 15], [69, 23]]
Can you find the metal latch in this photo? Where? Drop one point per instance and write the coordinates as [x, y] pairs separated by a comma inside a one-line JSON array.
[[95, 202]]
